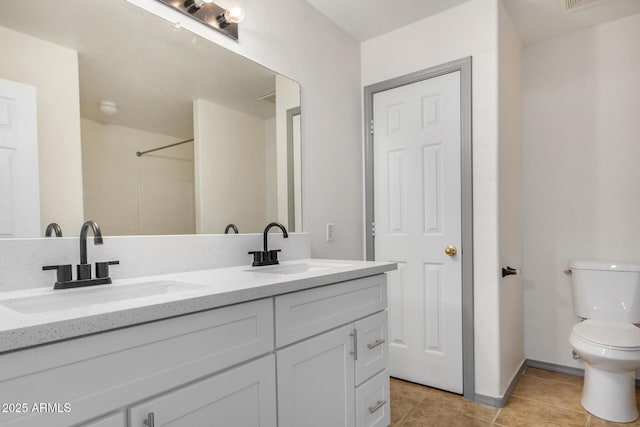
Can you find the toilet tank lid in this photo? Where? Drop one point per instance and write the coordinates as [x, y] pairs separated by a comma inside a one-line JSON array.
[[604, 265]]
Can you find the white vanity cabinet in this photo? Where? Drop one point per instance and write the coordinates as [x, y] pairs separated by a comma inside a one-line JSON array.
[[315, 357], [339, 337]]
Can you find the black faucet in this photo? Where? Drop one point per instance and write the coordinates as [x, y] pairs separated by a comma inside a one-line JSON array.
[[231, 227], [83, 269], [266, 256], [53, 228], [269, 227]]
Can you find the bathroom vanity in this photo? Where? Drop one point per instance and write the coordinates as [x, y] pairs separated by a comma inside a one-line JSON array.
[[300, 343]]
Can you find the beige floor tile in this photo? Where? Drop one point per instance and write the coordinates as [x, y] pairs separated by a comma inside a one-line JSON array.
[[449, 402], [523, 412], [561, 395], [404, 397], [439, 417], [555, 376]]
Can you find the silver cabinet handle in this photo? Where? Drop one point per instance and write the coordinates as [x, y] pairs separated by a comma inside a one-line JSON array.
[[379, 405], [378, 343], [150, 422], [354, 334]]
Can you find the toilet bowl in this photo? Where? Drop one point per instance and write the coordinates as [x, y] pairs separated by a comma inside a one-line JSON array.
[[611, 354], [607, 296]]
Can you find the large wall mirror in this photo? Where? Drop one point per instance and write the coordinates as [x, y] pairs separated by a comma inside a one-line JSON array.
[[218, 135]]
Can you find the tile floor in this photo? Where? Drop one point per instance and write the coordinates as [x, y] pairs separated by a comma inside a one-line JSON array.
[[541, 398]]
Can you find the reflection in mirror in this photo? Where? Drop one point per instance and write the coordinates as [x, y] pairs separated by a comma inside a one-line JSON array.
[[87, 84]]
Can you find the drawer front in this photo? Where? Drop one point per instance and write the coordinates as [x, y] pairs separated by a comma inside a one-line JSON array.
[[113, 420], [302, 314], [372, 402], [107, 371], [243, 396], [373, 348]]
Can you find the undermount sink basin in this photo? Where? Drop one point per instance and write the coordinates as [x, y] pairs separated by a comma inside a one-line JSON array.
[[307, 267], [100, 294]]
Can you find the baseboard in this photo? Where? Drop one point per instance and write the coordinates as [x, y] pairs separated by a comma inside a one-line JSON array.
[[500, 402], [578, 372], [569, 370]]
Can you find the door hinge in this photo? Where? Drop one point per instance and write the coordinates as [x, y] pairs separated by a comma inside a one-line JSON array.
[[373, 229], [371, 127]]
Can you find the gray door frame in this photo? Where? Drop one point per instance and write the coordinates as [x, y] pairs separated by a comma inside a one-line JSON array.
[[291, 186], [462, 65]]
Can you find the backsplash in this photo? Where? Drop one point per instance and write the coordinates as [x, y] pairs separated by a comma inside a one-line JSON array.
[[21, 260]]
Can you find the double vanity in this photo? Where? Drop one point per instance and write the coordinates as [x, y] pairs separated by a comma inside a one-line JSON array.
[[302, 343]]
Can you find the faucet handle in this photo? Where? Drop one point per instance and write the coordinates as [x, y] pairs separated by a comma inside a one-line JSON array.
[[63, 274], [102, 268], [261, 258]]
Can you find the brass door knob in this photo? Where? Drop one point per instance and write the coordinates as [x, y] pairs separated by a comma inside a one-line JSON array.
[[450, 250]]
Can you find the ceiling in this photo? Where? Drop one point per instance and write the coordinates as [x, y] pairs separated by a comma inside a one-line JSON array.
[[538, 20], [535, 20], [365, 19]]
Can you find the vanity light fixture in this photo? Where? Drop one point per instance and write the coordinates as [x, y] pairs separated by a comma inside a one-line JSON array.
[[206, 11]]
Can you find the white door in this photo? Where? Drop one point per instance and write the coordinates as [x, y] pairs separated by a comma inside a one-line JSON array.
[[417, 215], [316, 381], [19, 187]]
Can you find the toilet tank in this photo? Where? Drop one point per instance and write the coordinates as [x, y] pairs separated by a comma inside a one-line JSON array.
[[606, 290]]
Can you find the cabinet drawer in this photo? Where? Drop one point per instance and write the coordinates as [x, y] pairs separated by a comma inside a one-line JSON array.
[[373, 349], [113, 420], [106, 371], [306, 313], [372, 402], [243, 396]]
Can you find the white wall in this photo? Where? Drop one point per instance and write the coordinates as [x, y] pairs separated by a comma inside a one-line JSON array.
[[294, 39], [53, 70], [131, 195], [510, 196], [581, 174], [230, 169], [466, 30]]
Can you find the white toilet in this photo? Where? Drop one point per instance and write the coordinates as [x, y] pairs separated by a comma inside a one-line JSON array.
[[607, 296]]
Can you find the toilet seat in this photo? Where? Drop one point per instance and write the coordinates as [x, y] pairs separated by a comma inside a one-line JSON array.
[[613, 335]]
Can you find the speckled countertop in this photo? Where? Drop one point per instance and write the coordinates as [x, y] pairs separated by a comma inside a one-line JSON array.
[[38, 316]]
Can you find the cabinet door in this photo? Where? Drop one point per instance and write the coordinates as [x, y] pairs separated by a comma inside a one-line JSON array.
[[373, 349], [316, 381], [243, 396]]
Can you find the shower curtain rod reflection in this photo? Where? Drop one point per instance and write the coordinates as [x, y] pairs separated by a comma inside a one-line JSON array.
[[140, 153]]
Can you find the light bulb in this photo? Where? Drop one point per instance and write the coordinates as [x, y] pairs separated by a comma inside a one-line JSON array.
[[200, 3], [234, 13]]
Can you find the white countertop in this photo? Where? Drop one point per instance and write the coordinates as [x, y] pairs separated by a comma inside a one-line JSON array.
[[203, 290]]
